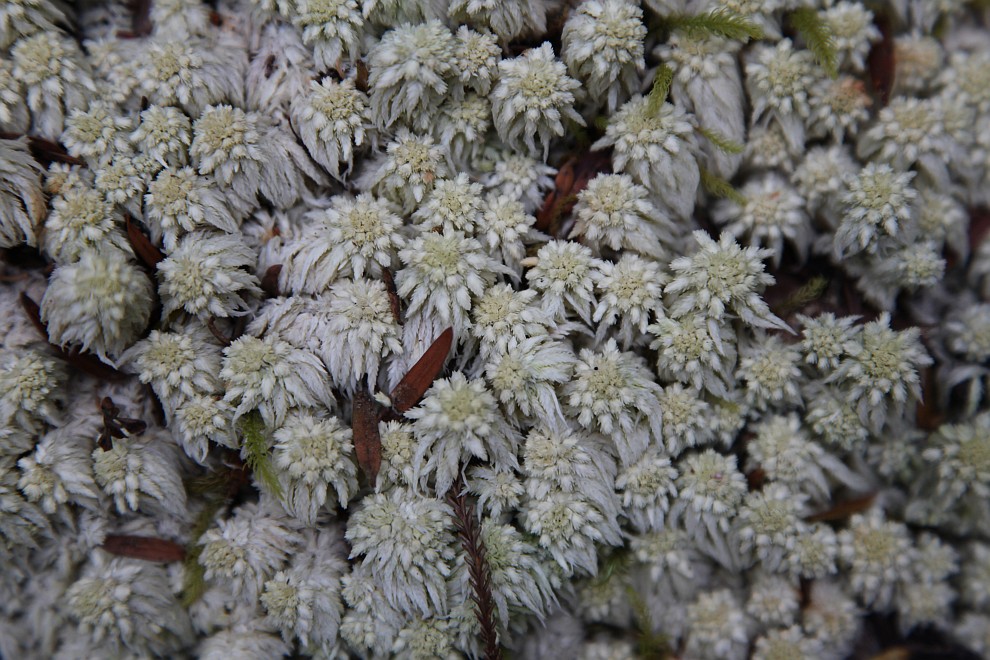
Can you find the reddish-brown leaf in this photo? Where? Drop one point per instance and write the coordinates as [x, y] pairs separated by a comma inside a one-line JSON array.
[[929, 417], [147, 548], [90, 364], [45, 151], [82, 361], [393, 295], [367, 441], [269, 282], [979, 227], [843, 510], [269, 66], [415, 383], [572, 177], [755, 478], [141, 18], [23, 257], [143, 247], [361, 79], [882, 61]]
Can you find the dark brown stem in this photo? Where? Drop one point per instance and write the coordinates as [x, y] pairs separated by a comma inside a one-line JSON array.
[[469, 531], [211, 324]]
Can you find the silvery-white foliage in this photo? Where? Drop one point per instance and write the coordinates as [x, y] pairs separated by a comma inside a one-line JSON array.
[[240, 218]]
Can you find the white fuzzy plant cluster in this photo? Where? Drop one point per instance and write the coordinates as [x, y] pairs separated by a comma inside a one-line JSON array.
[[211, 203]]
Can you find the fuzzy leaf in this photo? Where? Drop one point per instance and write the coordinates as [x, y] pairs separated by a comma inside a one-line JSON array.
[[720, 23], [84, 362], [818, 38]]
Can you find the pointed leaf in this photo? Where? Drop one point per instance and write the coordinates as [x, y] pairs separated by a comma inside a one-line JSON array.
[[843, 510], [572, 177], [269, 282], [882, 61], [367, 440], [393, 295], [143, 247], [415, 383], [147, 548]]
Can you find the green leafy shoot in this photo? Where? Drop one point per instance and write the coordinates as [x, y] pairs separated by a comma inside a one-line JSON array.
[[211, 484], [256, 450], [721, 142], [818, 38], [650, 645], [719, 23], [615, 565], [718, 187], [661, 88], [194, 574], [810, 292], [193, 577]]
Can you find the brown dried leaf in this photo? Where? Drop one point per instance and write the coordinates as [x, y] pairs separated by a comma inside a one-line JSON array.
[[415, 383], [843, 510], [90, 364], [269, 282], [393, 295], [361, 79], [147, 548], [929, 416], [143, 247], [979, 227], [45, 151], [367, 440], [141, 18], [882, 61], [572, 177]]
